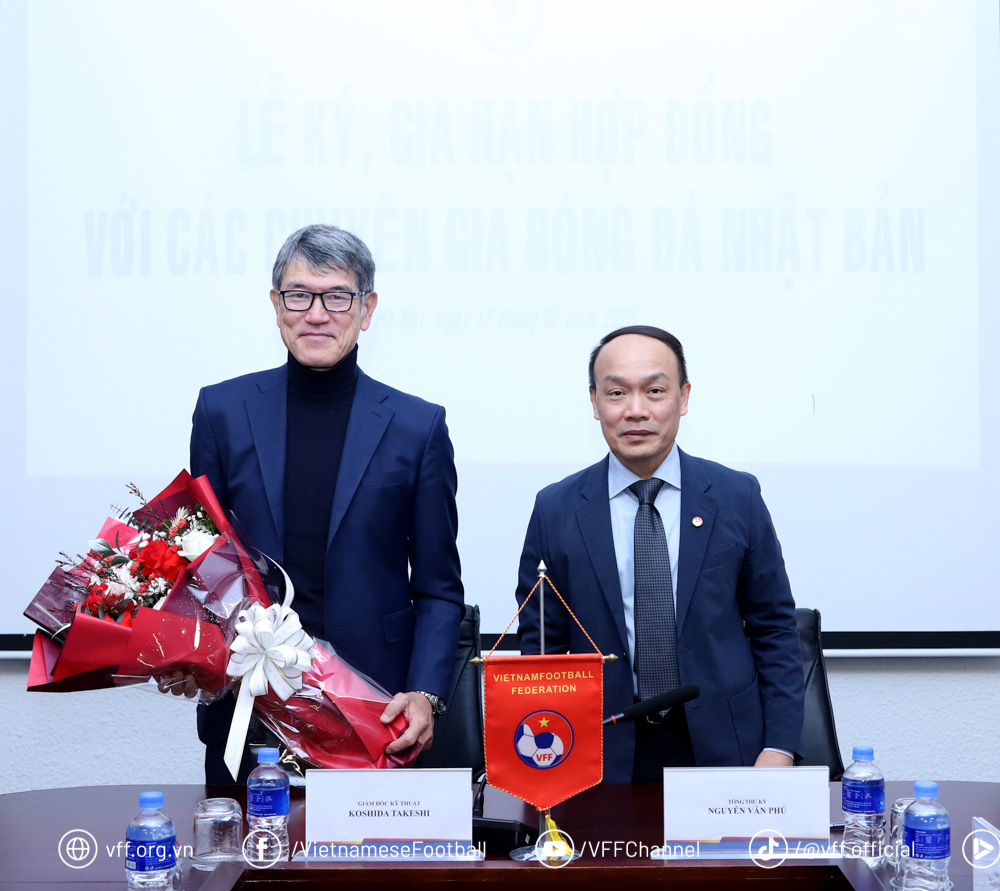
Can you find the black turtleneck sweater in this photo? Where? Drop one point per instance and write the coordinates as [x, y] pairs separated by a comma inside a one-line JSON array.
[[319, 403]]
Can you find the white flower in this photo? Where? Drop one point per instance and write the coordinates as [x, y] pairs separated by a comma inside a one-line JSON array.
[[125, 577], [115, 588], [195, 543]]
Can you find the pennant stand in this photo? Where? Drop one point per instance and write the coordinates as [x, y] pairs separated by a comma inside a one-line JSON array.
[[543, 731]]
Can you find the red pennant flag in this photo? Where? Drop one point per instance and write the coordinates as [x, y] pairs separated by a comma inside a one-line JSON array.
[[544, 741]]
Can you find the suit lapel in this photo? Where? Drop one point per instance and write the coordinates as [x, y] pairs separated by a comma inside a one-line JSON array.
[[268, 416], [695, 502], [594, 518], [366, 425]]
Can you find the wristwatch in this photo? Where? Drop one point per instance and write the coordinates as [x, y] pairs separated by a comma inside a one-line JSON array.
[[437, 703]]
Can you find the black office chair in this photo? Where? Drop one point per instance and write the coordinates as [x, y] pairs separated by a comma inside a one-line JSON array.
[[819, 730], [458, 733]]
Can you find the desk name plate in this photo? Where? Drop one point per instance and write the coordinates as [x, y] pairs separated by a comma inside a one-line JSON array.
[[389, 815], [760, 813]]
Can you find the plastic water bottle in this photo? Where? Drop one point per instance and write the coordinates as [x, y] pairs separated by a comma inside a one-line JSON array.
[[267, 810], [864, 808], [150, 840], [923, 862]]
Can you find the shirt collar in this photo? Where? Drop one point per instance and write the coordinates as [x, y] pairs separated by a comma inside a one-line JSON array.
[[620, 477]]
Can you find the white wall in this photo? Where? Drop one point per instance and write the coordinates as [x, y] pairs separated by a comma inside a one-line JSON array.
[[928, 718], [770, 181], [98, 737]]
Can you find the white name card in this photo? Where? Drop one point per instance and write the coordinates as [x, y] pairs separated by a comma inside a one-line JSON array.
[[389, 815], [763, 813]]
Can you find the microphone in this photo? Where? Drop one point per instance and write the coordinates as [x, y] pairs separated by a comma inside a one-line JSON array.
[[658, 703]]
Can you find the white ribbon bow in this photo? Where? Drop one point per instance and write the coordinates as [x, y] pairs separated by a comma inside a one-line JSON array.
[[270, 652]]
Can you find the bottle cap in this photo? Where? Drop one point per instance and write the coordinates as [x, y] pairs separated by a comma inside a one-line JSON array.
[[267, 756], [863, 753], [925, 790], [150, 800]]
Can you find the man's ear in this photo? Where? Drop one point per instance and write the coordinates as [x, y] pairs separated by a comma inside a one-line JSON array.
[[371, 301], [685, 394]]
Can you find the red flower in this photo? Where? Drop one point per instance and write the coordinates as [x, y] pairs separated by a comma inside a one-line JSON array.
[[95, 597], [116, 607], [160, 559]]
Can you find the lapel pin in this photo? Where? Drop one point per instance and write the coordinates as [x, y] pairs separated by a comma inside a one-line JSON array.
[[697, 521]]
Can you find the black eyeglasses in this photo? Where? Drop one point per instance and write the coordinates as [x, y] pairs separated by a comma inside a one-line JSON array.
[[333, 301]]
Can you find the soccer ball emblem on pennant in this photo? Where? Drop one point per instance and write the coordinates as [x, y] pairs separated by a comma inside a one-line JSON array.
[[543, 739]]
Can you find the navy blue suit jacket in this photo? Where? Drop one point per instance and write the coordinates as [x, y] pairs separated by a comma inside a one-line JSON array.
[[736, 631], [393, 581]]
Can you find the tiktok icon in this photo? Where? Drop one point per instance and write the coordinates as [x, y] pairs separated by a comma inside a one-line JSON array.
[[768, 849]]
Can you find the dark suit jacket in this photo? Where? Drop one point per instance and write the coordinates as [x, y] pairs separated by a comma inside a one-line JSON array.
[[736, 631], [393, 582]]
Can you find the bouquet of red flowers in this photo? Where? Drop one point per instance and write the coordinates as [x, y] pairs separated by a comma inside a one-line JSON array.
[[170, 590]]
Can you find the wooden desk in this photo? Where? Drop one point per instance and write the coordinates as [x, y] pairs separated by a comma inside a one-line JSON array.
[[32, 823]]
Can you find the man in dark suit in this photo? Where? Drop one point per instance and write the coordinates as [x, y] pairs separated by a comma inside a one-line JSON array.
[[348, 483], [682, 579]]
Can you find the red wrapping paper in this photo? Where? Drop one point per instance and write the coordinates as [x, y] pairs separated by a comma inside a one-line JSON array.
[[333, 721], [339, 709]]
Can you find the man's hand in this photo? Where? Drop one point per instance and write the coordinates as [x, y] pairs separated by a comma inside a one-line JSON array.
[[416, 708], [772, 759], [178, 683]]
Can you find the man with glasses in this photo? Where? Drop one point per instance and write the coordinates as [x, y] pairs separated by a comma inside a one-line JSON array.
[[348, 483]]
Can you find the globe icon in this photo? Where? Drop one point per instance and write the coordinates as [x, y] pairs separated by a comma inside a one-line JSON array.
[[78, 848]]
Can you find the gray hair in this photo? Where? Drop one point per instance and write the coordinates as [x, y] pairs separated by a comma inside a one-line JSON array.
[[323, 247]]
